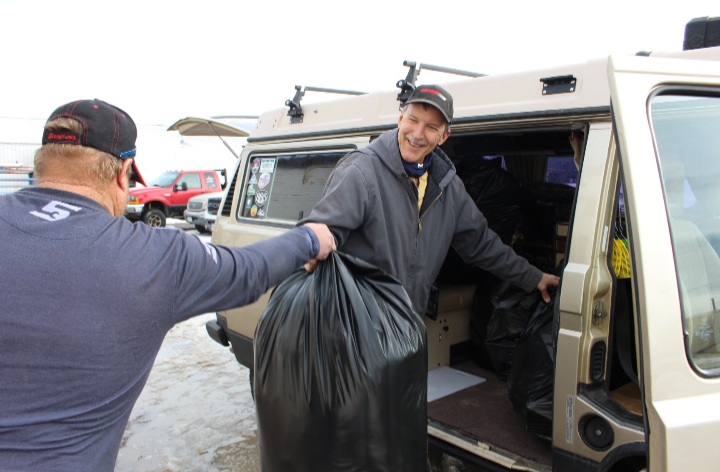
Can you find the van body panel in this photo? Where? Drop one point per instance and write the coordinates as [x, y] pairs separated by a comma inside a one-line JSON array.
[[680, 404], [586, 296]]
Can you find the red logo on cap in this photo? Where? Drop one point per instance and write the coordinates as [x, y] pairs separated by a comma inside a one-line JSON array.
[[63, 137], [434, 92]]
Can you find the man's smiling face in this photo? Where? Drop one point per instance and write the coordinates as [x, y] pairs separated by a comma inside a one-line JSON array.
[[421, 128]]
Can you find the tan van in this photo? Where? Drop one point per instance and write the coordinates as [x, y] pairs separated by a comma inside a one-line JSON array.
[[607, 172]]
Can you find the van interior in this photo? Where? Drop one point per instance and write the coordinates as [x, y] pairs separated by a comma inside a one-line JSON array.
[[524, 182]]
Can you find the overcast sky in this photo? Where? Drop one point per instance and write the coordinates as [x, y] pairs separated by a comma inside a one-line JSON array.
[[163, 60]]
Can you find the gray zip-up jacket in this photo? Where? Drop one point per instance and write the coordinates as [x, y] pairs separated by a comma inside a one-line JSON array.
[[370, 205]]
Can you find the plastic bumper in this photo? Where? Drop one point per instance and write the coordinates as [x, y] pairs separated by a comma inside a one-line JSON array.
[[217, 333], [134, 210], [194, 218]]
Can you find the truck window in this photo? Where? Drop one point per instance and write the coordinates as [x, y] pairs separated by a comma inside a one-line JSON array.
[[210, 180], [192, 180], [165, 179], [685, 128], [285, 187]]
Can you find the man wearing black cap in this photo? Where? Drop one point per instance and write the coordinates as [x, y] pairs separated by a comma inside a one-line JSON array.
[[399, 205], [88, 296]]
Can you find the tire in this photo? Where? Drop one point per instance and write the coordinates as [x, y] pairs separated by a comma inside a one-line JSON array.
[[201, 229], [154, 217]]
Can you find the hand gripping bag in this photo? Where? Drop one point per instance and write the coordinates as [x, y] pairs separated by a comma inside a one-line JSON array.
[[341, 373]]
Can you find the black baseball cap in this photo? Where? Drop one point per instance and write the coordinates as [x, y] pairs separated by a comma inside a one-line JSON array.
[[433, 95], [106, 128]]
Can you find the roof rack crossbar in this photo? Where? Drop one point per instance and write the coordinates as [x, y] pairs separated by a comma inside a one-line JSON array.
[[407, 85], [295, 111]]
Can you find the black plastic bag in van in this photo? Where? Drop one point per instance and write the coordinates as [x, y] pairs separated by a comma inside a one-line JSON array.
[[341, 373], [511, 308], [531, 379]]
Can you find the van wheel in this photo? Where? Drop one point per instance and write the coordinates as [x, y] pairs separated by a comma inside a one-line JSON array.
[[154, 217]]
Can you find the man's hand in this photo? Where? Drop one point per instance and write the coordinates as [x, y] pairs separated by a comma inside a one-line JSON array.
[[548, 281], [327, 244]]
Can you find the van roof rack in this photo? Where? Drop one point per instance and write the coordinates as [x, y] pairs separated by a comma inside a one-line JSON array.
[[295, 111], [407, 85]]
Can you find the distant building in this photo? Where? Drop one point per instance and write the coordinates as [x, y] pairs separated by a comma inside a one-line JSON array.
[[17, 154]]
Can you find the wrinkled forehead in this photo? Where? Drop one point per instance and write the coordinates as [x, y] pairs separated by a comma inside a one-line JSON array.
[[425, 112]]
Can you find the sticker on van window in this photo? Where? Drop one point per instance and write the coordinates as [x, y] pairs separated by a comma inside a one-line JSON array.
[[253, 179], [267, 166], [251, 190], [253, 211], [261, 198], [255, 166], [264, 180]]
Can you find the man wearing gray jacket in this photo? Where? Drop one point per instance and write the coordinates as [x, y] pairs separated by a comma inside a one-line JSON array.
[[399, 204]]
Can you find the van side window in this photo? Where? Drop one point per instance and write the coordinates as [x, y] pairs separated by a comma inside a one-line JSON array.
[[685, 127], [285, 187]]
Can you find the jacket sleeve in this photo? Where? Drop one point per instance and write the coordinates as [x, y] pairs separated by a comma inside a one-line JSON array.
[[477, 244], [213, 278], [343, 206]]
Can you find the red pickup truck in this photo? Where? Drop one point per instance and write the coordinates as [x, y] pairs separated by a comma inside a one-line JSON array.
[[168, 194]]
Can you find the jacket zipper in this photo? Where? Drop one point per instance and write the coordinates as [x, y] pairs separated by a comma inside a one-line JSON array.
[[426, 210]]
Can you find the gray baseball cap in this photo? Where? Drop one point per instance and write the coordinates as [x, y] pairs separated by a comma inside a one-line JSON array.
[[436, 96]]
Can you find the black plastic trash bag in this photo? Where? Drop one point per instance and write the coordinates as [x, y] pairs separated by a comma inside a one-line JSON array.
[[341, 373], [511, 309], [531, 379]]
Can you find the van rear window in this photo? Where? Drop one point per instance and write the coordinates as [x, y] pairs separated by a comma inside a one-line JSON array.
[[285, 187], [561, 170]]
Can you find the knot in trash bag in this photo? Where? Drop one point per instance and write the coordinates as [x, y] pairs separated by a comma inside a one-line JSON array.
[[340, 375]]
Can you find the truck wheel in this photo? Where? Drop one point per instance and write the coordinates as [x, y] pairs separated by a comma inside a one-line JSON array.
[[154, 217], [201, 229]]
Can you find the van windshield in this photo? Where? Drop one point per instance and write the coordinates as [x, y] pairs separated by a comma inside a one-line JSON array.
[[685, 127]]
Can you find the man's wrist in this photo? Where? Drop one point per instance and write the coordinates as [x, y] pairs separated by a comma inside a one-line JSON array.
[[312, 240]]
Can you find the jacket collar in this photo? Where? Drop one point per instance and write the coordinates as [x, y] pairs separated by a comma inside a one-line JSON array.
[[387, 149]]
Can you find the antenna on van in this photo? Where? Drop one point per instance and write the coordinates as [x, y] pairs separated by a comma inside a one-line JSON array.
[[295, 111], [407, 85]]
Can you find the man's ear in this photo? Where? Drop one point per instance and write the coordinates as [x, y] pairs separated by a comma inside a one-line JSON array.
[[445, 136], [123, 177]]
